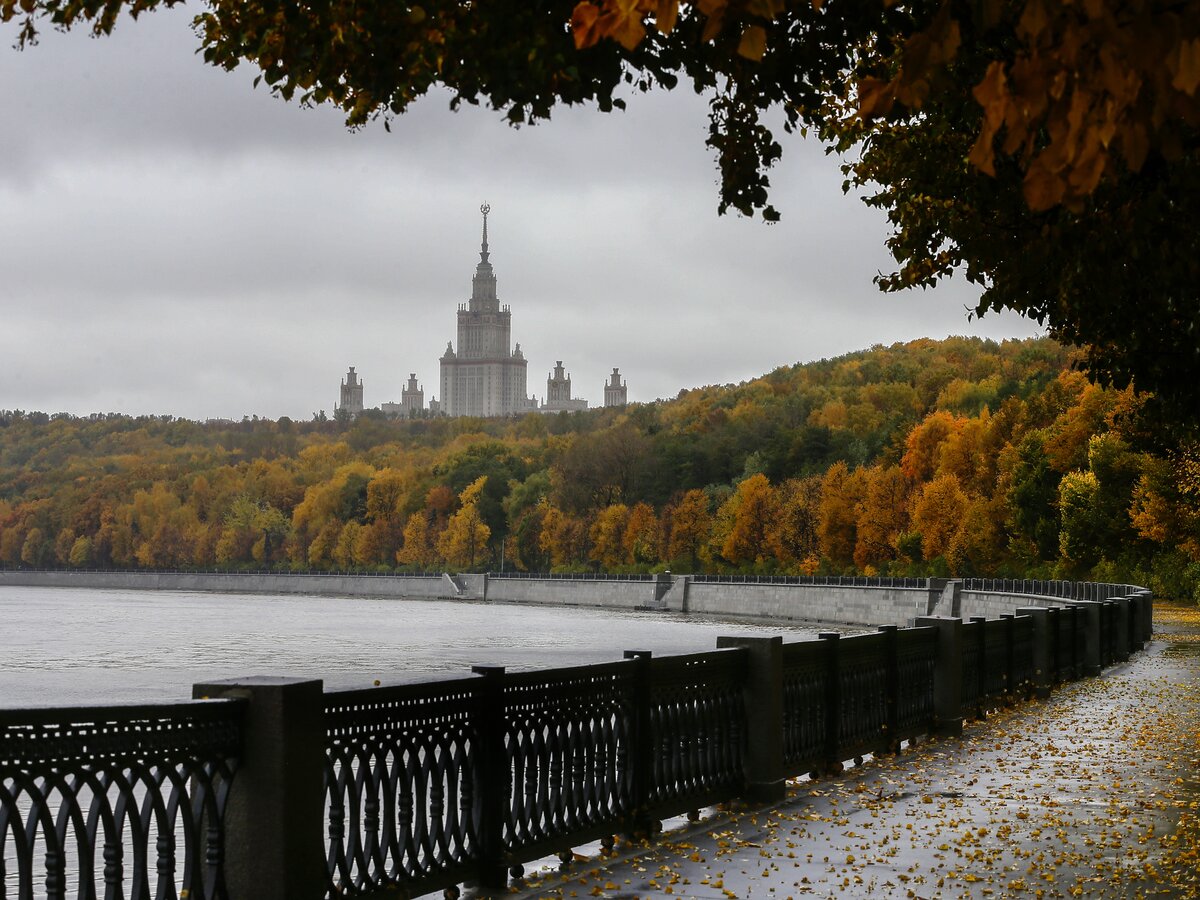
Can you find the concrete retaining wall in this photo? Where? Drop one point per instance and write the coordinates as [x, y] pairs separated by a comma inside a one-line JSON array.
[[572, 592], [994, 605], [416, 588], [824, 603]]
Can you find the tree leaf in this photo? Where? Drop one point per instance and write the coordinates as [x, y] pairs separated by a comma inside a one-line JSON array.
[[753, 43]]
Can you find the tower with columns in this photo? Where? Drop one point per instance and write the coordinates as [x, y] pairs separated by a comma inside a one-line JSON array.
[[616, 392], [351, 395]]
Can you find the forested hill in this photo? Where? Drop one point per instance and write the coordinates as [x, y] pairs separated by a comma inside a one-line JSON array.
[[959, 456]]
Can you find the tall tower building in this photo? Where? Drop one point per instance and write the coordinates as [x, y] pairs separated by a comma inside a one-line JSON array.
[[484, 377], [352, 395], [616, 393]]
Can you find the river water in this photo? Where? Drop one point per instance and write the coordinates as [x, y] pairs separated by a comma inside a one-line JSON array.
[[63, 646]]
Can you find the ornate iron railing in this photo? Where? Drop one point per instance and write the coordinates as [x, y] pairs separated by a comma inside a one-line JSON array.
[[1022, 655], [400, 782], [806, 683], [116, 802], [972, 666], [567, 737], [916, 661], [696, 727], [862, 694]]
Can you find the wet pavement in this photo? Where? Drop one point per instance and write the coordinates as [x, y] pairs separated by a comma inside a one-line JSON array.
[[1077, 795]]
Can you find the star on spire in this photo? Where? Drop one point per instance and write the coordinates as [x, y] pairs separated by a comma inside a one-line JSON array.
[[483, 253]]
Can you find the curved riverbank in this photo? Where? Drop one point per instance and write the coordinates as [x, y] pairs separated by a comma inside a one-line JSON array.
[[847, 601]]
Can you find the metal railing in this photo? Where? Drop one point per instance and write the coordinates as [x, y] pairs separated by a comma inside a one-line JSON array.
[[118, 801]]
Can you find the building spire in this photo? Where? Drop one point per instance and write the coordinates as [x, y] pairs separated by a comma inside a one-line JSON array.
[[483, 253]]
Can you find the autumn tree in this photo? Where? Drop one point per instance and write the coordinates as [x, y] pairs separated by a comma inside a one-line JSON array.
[[563, 537], [643, 535], [882, 516], [466, 535], [837, 530], [688, 523], [524, 508], [743, 527], [607, 535], [937, 514], [418, 549], [797, 532]]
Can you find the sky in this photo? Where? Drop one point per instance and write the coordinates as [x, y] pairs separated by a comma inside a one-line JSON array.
[[174, 241]]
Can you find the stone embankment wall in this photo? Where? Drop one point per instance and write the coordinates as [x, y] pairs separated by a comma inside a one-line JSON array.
[[835, 604], [407, 588], [993, 605], [845, 605]]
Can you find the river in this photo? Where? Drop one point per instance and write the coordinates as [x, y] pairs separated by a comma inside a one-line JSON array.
[[66, 646]]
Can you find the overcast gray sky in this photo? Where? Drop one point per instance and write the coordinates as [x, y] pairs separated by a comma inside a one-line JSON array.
[[173, 241]]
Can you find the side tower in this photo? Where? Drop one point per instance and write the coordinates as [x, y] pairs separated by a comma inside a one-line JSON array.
[[616, 393], [558, 393], [485, 377], [412, 398], [351, 394]]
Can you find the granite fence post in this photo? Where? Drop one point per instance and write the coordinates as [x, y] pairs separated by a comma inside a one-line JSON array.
[[492, 784], [763, 695], [833, 702], [1122, 623], [274, 818], [891, 722], [947, 674]]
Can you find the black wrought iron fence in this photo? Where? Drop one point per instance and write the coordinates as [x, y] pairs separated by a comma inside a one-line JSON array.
[[401, 768], [117, 801], [807, 668]]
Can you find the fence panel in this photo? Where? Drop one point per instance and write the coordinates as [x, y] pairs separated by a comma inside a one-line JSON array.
[[400, 778], [118, 801], [567, 739], [863, 690], [916, 652], [805, 711], [1022, 654], [697, 729], [995, 663], [972, 666]]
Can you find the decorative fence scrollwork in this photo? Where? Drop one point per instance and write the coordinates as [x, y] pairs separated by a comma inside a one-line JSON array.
[[916, 660], [400, 775], [863, 694], [116, 801], [697, 724], [567, 740], [805, 705]]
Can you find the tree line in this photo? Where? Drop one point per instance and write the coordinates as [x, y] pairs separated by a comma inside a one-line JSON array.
[[955, 457]]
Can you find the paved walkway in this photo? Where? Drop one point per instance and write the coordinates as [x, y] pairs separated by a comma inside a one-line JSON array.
[[1077, 795]]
